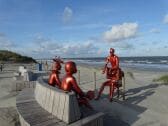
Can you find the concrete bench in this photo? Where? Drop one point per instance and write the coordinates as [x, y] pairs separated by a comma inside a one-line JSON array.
[[27, 81], [46, 105]]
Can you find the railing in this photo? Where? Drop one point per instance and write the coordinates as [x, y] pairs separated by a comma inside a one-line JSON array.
[[19, 85]]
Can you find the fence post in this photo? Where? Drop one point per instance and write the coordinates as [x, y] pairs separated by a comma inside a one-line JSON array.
[[78, 76], [95, 82], [123, 88]]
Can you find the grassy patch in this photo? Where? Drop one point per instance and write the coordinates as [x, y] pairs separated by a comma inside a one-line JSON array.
[[163, 79]]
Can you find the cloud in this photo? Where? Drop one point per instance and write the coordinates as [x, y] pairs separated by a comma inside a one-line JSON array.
[[154, 30], [79, 50], [125, 46], [165, 20], [121, 32], [47, 48], [67, 15], [5, 42]]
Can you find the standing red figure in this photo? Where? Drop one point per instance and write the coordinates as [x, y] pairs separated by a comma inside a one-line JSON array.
[[54, 79], [69, 84], [112, 73]]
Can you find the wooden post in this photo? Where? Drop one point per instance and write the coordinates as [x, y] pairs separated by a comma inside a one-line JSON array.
[[95, 81], [123, 93], [78, 76]]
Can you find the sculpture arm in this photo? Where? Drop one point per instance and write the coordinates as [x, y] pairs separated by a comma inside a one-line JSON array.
[[58, 80], [105, 66], [76, 88]]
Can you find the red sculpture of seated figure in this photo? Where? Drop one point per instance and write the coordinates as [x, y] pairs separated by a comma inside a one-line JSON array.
[[113, 74], [54, 79], [69, 84]]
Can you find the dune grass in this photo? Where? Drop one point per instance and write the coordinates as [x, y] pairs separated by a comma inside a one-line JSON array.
[[163, 79], [131, 74]]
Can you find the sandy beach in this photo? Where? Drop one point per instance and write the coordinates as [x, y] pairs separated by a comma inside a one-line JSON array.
[[146, 101]]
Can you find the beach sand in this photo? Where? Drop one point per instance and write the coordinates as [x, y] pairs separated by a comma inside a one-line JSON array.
[[146, 101]]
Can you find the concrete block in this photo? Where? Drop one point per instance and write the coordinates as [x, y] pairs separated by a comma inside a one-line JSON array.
[[55, 103], [51, 102], [47, 99], [61, 106]]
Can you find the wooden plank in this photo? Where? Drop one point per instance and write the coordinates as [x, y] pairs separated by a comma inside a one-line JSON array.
[[36, 90], [100, 122], [33, 120], [51, 102], [47, 99], [64, 106], [49, 122], [56, 103], [43, 97], [88, 120], [30, 112], [61, 106], [25, 100], [76, 108], [71, 114], [66, 109], [25, 107]]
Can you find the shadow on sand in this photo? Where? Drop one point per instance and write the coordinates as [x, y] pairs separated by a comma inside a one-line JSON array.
[[125, 113]]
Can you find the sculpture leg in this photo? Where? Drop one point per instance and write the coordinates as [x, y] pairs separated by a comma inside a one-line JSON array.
[[112, 87], [101, 89], [84, 101]]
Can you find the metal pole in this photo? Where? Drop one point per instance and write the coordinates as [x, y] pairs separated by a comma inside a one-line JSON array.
[[95, 81], [78, 76]]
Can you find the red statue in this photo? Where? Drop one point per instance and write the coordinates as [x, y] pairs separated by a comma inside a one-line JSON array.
[[69, 84], [54, 79], [113, 73]]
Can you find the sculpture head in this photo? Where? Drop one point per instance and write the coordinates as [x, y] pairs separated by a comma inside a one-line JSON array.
[[112, 51], [57, 63], [57, 66], [70, 67]]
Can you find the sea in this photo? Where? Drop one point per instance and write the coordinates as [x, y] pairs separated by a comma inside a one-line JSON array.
[[152, 63]]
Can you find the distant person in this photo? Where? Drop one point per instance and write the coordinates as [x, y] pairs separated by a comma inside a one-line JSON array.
[[1, 67], [112, 73], [54, 79], [46, 66], [69, 84]]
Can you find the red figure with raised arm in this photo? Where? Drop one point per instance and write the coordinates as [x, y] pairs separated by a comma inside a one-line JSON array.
[[54, 79], [112, 73], [69, 84]]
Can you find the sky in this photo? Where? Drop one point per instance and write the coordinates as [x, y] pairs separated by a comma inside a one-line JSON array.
[[84, 28]]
